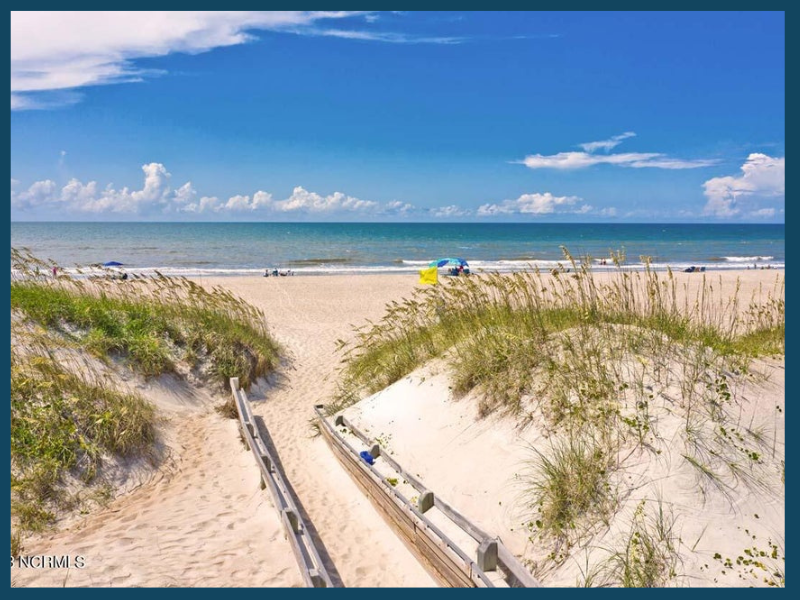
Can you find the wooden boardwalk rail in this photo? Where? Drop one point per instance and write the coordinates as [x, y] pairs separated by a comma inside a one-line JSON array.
[[311, 566], [441, 555]]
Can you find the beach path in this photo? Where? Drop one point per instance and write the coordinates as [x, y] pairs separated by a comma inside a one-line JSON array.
[[308, 315]]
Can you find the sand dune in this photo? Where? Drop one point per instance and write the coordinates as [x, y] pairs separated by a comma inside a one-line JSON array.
[[203, 521]]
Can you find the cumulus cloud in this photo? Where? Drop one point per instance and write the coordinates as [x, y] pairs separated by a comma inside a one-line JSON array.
[[76, 196], [185, 193], [156, 197], [398, 208], [588, 158], [535, 204], [763, 177], [452, 211], [206, 204], [65, 50], [304, 201], [38, 194]]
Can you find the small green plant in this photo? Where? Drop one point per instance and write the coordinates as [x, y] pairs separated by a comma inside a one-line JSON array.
[[16, 544], [228, 409], [650, 555], [570, 484], [758, 563]]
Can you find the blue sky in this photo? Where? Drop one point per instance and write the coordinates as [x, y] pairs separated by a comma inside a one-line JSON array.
[[393, 116]]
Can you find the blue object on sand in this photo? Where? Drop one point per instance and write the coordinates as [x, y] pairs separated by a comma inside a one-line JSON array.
[[367, 457], [112, 263]]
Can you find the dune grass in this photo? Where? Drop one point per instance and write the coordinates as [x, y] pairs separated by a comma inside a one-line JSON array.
[[494, 329], [571, 481], [649, 556], [68, 418], [65, 422], [590, 360], [153, 323]]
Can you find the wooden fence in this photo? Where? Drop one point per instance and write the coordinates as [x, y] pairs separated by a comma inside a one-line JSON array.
[[311, 566], [450, 564]]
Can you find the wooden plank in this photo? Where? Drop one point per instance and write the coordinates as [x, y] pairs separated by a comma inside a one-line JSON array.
[[310, 564], [441, 562], [456, 517], [446, 561], [516, 574]]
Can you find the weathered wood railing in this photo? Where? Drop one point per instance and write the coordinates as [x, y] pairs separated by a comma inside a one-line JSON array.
[[444, 558], [311, 566]]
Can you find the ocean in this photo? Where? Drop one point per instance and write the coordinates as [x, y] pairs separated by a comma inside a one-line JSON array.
[[210, 249]]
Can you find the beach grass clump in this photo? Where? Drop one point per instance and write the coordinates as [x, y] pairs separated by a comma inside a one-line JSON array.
[[650, 556], [570, 485], [65, 421], [153, 323]]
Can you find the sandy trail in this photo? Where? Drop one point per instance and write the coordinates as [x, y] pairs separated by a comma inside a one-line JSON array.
[[308, 315], [202, 520]]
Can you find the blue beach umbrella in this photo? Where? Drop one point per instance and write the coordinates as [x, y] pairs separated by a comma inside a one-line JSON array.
[[112, 263], [448, 261]]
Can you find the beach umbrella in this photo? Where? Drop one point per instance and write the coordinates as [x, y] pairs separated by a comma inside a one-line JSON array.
[[448, 261], [112, 263]]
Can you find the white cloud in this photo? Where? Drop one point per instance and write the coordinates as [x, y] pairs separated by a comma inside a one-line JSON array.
[[608, 212], [608, 144], [452, 211], [239, 203], [304, 201], [382, 36], [38, 194], [763, 212], [184, 193], [535, 204], [262, 200], [65, 50], [78, 197], [762, 177], [636, 160], [235, 203], [77, 194], [157, 197], [397, 207]]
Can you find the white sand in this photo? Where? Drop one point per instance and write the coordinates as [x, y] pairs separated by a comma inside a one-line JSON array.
[[201, 520], [204, 521]]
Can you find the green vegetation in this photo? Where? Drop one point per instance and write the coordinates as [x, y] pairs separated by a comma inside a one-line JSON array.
[[757, 563], [649, 557], [68, 415], [65, 422], [597, 363], [571, 482], [499, 328], [153, 323]]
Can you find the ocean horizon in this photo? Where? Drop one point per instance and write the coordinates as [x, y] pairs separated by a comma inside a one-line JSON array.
[[236, 248]]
